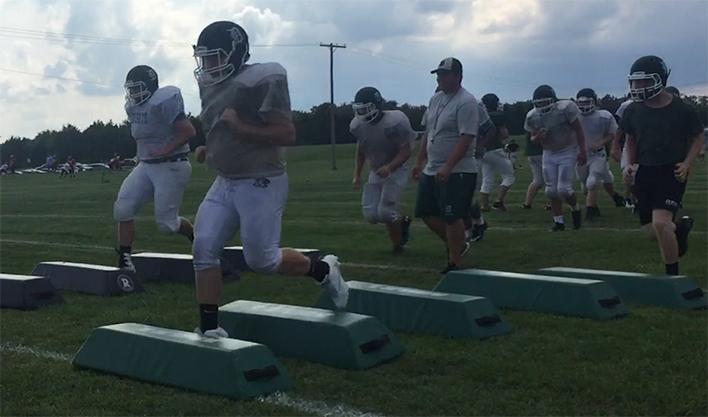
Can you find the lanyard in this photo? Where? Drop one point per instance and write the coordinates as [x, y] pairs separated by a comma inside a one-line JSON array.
[[439, 111]]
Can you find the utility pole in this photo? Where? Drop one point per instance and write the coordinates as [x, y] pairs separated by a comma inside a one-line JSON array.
[[332, 47]]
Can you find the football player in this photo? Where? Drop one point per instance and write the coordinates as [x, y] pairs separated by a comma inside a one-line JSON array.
[[663, 138], [161, 131], [384, 139], [495, 160], [600, 128], [554, 124], [247, 120]]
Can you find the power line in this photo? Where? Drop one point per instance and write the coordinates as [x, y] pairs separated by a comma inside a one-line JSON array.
[[10, 32]]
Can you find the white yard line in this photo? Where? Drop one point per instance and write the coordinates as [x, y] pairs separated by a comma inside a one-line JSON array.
[[416, 225], [301, 405]]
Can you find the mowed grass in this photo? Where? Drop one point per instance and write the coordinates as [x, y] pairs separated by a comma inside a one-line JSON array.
[[652, 362]]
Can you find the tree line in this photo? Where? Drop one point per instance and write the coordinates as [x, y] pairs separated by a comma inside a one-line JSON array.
[[101, 140]]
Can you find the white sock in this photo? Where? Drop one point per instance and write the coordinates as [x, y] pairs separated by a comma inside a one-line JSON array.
[[559, 219]]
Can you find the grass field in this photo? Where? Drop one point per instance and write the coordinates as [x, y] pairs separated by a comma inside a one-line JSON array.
[[652, 362]]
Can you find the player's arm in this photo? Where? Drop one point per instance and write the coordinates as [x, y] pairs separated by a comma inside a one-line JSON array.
[[422, 158], [580, 134], [359, 161], [277, 129], [183, 131], [404, 152], [616, 151], [683, 168]]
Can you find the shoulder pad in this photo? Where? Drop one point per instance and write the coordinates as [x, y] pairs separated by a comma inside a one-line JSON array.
[[257, 73]]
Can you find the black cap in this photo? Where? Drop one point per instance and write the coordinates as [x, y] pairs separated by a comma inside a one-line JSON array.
[[449, 64]]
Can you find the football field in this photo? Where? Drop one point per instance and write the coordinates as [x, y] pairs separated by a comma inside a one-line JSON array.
[[652, 362]]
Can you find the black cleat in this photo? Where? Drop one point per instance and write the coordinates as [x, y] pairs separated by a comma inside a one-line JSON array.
[[619, 201], [405, 230], [557, 227], [526, 206], [478, 232], [448, 268], [683, 227], [499, 205], [125, 262], [577, 219], [592, 213]]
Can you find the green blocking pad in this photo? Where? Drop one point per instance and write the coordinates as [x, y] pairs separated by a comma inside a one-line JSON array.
[[414, 310], [338, 339], [233, 368], [678, 292], [545, 294]]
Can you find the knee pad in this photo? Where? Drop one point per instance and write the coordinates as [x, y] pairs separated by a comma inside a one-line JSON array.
[[123, 211], [370, 214], [387, 213], [171, 226], [592, 183], [206, 253], [551, 192], [508, 181], [265, 261], [566, 192]]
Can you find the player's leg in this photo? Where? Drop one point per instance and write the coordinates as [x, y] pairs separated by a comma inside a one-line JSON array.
[[397, 225], [566, 176], [535, 164], [488, 177], [550, 178], [216, 222], [506, 169], [135, 191], [170, 179]]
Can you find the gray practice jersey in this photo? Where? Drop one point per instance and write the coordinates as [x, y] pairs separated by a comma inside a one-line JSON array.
[[596, 126], [557, 121], [256, 90], [151, 123], [382, 141], [623, 107], [448, 117]]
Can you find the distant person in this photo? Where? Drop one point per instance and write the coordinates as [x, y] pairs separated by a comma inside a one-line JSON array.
[[495, 160], [384, 139], [600, 128], [12, 164]]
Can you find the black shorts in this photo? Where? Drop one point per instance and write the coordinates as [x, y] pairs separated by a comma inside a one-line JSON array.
[[450, 200], [656, 188]]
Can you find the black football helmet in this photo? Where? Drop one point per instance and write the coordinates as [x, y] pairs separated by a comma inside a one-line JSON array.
[[586, 99], [491, 102], [368, 104], [222, 48], [544, 96], [651, 68], [140, 84]]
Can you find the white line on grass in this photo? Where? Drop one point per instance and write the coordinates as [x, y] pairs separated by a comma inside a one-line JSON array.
[[389, 267], [352, 223], [319, 408]]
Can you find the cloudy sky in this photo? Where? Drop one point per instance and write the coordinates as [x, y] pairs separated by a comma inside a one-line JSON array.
[[506, 46]]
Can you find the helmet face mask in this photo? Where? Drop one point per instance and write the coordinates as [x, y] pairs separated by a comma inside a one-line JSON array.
[[136, 92], [647, 78], [222, 48], [213, 65], [544, 105], [368, 104], [644, 86], [586, 104], [367, 112], [544, 98]]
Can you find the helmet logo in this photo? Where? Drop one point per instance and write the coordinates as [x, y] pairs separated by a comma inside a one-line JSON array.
[[235, 35], [151, 74]]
